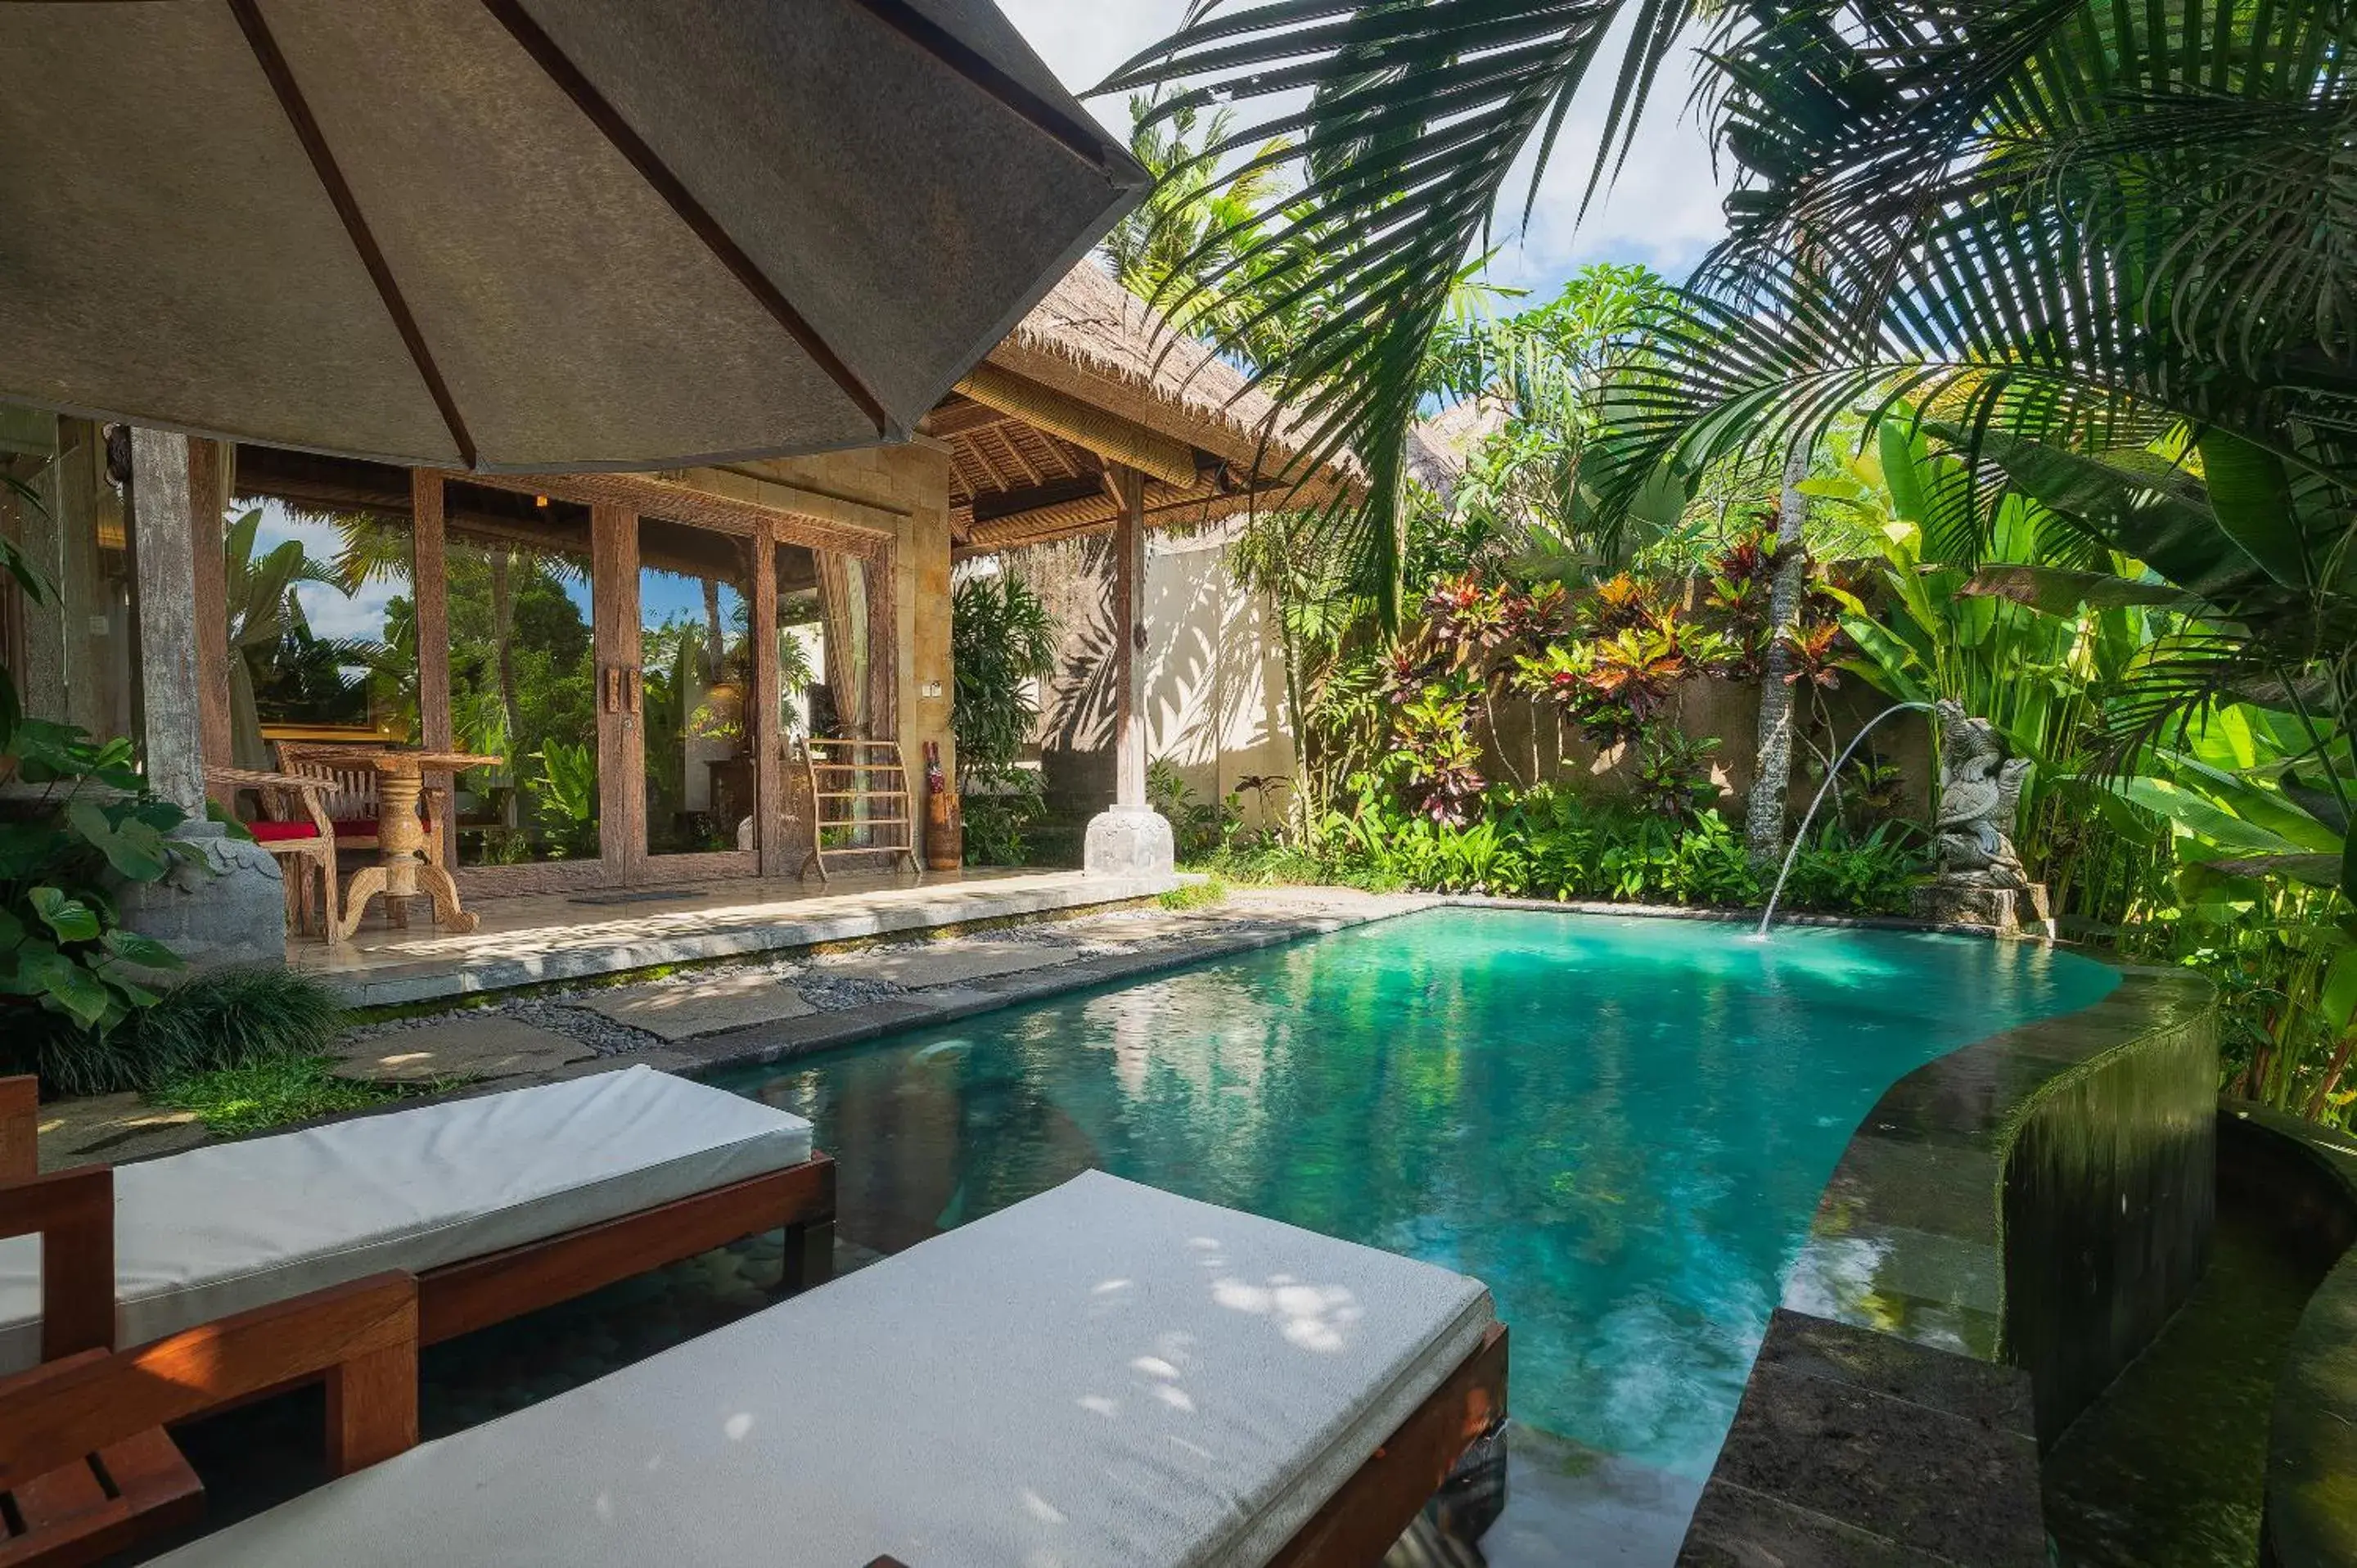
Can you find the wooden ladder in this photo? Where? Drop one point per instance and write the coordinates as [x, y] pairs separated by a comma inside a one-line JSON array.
[[859, 786]]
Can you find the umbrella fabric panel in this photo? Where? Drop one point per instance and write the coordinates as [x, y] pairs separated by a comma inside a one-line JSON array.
[[531, 234], [163, 235], [910, 214], [574, 315]]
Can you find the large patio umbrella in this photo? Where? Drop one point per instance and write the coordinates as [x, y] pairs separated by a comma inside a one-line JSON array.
[[529, 234]]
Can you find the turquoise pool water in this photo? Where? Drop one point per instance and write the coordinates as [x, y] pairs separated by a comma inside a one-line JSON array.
[[1622, 1125]]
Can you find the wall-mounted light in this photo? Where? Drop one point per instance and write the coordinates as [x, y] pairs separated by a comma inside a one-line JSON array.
[[540, 500]]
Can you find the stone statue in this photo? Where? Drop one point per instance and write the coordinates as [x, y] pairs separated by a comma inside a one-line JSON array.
[[1980, 790], [1980, 872]]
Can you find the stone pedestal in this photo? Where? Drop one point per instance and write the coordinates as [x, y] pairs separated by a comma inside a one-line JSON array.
[[1129, 841], [1954, 902], [227, 905]]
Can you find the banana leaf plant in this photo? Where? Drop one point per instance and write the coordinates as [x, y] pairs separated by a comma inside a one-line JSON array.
[[78, 829], [2259, 845]]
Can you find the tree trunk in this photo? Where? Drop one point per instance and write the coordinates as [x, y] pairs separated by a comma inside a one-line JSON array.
[[504, 643], [1771, 773]]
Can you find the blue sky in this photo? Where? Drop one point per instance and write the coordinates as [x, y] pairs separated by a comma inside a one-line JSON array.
[[1664, 210]]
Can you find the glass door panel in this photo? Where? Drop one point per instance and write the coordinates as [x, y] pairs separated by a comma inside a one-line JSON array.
[[697, 720], [522, 675], [319, 560]]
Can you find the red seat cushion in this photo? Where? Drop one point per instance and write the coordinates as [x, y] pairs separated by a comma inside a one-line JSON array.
[[279, 833], [355, 827]]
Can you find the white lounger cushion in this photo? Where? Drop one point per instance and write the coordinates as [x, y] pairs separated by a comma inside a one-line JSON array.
[[230, 1226], [1104, 1375]]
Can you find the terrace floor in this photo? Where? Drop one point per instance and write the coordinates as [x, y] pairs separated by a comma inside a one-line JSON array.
[[541, 938]]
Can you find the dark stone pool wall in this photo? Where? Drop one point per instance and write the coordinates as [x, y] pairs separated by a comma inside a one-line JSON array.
[[2110, 1201], [2308, 1175], [2002, 1227]]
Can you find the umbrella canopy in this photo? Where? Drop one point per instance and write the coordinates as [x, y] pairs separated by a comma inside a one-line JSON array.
[[529, 235]]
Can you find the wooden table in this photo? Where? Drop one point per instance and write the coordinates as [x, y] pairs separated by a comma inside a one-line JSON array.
[[401, 872]]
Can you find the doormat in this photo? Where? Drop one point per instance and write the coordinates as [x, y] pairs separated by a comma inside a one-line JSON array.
[[648, 896]]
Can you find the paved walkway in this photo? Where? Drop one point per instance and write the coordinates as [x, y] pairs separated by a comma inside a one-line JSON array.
[[541, 938], [764, 1009]]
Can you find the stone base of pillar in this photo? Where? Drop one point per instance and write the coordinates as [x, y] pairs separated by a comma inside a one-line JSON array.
[[1129, 841], [226, 904]]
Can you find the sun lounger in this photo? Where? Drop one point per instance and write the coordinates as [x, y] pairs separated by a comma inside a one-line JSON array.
[[1104, 1374], [499, 1204]]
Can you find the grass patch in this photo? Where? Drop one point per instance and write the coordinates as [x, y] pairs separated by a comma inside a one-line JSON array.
[[1195, 894], [272, 1093]]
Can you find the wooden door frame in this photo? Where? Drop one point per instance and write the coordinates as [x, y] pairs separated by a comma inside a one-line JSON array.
[[617, 502]]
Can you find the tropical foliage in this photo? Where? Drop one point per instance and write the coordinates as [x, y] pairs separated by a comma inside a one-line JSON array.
[[71, 973], [1002, 642]]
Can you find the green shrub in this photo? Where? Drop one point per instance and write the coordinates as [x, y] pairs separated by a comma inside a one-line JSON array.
[[1195, 894], [1001, 817], [227, 1018], [1876, 875], [271, 1093], [1548, 843]]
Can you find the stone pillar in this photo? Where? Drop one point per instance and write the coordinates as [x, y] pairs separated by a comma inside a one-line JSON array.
[[226, 903], [1129, 640], [164, 546], [210, 481], [1131, 839]]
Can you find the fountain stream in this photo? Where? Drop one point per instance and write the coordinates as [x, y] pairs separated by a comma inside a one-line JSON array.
[[1833, 776]]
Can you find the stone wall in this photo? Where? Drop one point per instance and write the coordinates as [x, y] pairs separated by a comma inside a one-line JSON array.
[[2303, 1177], [2110, 1201]]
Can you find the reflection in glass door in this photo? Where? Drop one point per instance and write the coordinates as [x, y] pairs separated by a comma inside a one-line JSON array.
[[698, 719], [522, 675]]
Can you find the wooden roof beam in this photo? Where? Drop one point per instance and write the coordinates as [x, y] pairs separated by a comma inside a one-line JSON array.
[[1107, 434]]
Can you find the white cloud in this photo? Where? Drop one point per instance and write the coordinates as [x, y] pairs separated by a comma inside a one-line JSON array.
[[331, 612], [1663, 210]]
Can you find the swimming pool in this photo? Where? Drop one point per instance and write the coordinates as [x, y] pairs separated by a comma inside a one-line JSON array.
[[1622, 1125]]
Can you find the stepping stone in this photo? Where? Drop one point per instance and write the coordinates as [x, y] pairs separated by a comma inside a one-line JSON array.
[[705, 1005], [482, 1045], [107, 1129], [948, 965]]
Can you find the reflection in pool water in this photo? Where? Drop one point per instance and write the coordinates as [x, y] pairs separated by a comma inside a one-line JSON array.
[[1622, 1125]]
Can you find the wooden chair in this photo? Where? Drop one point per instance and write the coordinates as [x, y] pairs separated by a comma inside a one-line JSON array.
[[293, 827], [350, 792], [86, 1467]]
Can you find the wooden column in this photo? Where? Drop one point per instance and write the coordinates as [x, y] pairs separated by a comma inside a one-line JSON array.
[[764, 725], [1129, 637], [210, 483], [429, 582], [614, 601], [163, 544]]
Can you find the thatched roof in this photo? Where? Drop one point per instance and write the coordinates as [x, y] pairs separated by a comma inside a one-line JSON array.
[[1093, 339], [1439, 447], [1092, 343]]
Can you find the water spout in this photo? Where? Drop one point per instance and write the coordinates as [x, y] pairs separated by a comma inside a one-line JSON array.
[[1832, 775]]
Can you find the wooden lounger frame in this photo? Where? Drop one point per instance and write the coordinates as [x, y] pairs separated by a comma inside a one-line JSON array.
[[84, 1459], [1363, 1519], [73, 1213]]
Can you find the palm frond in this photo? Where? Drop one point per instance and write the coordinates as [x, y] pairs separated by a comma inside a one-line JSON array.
[[1415, 113]]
